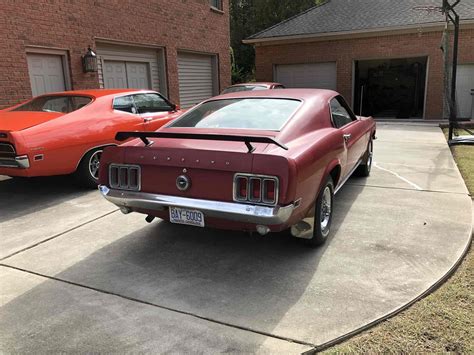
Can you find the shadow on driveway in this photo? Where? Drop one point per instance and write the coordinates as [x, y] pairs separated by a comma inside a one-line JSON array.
[[235, 278]]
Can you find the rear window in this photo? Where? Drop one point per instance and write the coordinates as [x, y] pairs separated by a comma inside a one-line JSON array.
[[244, 88], [244, 113], [64, 104]]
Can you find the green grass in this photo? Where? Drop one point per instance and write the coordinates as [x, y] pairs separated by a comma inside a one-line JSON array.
[[441, 322]]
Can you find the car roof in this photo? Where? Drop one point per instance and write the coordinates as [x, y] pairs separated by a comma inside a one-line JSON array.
[[95, 92], [266, 83], [295, 94]]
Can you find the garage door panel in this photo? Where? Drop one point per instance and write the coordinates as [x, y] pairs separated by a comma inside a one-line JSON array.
[[312, 75], [196, 78], [140, 67], [46, 73]]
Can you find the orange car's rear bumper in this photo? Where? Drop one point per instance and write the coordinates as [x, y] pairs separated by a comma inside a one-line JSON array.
[[15, 166]]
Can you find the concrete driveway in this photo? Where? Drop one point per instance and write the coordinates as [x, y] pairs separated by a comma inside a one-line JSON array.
[[77, 275]]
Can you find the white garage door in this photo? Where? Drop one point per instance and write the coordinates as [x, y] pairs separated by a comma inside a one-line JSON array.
[[313, 75], [118, 74], [465, 83], [46, 73], [196, 75], [130, 67]]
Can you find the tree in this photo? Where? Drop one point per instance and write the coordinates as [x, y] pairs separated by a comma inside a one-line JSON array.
[[248, 17]]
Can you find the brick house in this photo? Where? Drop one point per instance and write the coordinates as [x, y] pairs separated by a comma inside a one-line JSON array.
[[180, 48], [383, 56]]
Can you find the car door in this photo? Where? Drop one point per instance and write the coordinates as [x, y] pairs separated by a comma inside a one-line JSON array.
[[126, 117], [154, 109], [348, 125]]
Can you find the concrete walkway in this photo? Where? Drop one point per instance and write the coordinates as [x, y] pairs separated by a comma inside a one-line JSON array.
[[77, 275]]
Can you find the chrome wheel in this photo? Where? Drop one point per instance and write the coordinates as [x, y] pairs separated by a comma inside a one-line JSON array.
[[326, 209], [370, 155], [94, 164]]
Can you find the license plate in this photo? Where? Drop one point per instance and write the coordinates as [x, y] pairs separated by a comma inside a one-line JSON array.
[[185, 216]]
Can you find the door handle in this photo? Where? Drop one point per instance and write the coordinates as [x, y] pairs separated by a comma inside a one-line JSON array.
[[347, 136], [147, 119]]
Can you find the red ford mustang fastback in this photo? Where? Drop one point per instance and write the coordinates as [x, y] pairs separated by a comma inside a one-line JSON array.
[[63, 133], [252, 161]]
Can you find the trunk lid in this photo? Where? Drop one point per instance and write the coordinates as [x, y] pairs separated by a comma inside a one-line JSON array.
[[20, 120], [210, 165]]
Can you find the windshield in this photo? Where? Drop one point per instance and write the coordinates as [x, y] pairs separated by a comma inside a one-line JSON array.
[[64, 104], [244, 113], [238, 88]]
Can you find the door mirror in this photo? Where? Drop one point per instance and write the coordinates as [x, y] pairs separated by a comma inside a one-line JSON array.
[[174, 107]]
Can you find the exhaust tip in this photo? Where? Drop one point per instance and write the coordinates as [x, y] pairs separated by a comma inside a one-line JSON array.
[[149, 218], [263, 230]]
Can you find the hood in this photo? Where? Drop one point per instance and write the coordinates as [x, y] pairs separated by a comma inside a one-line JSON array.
[[20, 120]]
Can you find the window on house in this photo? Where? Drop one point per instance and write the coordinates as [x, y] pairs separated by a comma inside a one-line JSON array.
[[217, 4]]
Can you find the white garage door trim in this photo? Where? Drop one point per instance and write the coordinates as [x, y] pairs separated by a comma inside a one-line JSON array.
[[307, 75], [464, 85], [153, 57], [62, 53], [197, 76]]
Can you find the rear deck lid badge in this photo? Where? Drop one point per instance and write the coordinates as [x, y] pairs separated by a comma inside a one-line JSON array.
[[183, 182]]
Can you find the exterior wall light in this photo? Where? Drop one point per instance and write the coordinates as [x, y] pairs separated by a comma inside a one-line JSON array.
[[89, 61]]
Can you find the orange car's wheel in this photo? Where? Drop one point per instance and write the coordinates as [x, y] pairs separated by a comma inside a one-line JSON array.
[[87, 173]]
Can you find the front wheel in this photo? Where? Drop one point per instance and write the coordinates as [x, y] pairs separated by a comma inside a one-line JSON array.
[[322, 214], [87, 172]]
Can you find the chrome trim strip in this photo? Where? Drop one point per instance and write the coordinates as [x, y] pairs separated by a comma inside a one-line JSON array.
[[238, 212], [347, 177]]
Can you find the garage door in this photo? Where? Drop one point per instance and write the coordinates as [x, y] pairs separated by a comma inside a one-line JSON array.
[[465, 83], [121, 74], [130, 67], [46, 73], [313, 75], [196, 75]]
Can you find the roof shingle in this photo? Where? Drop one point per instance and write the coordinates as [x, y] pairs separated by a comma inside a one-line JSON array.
[[353, 15]]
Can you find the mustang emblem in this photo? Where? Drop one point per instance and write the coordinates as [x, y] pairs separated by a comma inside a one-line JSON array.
[[183, 182]]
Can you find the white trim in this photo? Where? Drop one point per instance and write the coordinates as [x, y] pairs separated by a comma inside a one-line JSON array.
[[429, 27], [426, 87]]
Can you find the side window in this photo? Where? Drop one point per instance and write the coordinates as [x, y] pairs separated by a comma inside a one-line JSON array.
[[279, 87], [147, 103], [340, 116], [124, 103]]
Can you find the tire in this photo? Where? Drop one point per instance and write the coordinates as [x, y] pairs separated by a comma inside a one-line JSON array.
[[364, 168], [322, 214], [87, 174]]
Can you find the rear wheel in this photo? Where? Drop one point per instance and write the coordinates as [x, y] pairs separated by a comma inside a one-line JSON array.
[[364, 168], [322, 214], [87, 173]]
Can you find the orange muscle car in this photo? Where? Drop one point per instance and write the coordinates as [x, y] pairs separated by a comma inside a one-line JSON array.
[[65, 133]]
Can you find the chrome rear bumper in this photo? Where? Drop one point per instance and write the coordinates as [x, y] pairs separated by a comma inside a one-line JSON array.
[[238, 212], [20, 162]]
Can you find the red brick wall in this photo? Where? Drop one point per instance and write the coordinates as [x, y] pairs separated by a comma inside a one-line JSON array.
[[344, 52], [73, 25]]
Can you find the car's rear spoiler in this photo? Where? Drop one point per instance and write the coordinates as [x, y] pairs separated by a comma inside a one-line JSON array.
[[121, 136]]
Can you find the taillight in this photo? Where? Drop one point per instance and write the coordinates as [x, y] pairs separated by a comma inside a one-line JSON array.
[[125, 177], [242, 188], [256, 189], [269, 191]]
